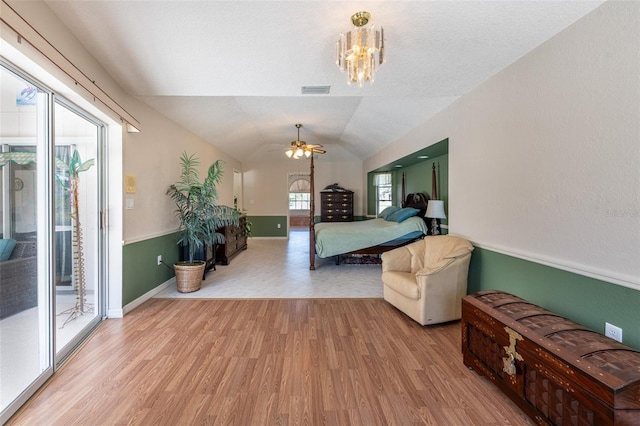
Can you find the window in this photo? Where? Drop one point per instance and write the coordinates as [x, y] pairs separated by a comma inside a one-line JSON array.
[[300, 195], [299, 201], [384, 192]]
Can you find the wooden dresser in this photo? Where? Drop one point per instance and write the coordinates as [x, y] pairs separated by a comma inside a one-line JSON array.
[[235, 241], [336, 206], [557, 371]]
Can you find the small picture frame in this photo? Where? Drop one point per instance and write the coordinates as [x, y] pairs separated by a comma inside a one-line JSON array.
[[130, 184]]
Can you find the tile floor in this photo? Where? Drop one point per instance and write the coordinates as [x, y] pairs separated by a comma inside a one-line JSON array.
[[279, 268]]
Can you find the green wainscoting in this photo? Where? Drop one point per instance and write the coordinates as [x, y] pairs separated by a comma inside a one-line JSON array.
[[267, 226], [584, 300], [140, 271]]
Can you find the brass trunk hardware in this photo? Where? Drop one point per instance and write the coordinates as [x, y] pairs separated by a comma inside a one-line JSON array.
[[512, 355]]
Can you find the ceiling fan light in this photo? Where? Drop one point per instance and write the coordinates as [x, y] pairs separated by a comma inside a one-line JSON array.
[[300, 149]]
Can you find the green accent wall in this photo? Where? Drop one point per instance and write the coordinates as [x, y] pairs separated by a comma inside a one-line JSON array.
[[267, 226], [418, 178], [140, 271], [585, 300]]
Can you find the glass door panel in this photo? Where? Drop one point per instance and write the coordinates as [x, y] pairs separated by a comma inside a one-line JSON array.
[[51, 257], [25, 296], [77, 228]]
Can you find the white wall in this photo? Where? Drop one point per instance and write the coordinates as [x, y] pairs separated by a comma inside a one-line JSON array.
[[544, 158], [152, 156], [266, 184]]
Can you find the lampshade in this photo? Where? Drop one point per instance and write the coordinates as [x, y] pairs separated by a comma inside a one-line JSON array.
[[435, 209]]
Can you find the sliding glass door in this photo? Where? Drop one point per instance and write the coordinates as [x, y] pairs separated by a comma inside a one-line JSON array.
[[51, 255], [25, 296], [77, 237]]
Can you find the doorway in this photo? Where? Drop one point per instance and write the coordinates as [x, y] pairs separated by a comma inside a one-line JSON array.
[[299, 201]]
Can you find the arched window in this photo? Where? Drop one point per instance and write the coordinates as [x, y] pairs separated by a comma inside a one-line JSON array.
[[299, 194]]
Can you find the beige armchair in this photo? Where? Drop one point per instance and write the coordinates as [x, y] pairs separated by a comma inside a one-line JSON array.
[[427, 279]]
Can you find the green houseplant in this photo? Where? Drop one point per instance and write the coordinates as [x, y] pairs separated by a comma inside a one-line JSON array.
[[200, 216]]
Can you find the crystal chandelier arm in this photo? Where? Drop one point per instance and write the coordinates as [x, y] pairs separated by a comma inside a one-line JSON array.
[[360, 50]]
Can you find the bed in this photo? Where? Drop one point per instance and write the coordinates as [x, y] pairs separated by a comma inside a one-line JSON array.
[[370, 237]]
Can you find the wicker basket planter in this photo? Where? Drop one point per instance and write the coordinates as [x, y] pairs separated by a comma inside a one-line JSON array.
[[189, 276]]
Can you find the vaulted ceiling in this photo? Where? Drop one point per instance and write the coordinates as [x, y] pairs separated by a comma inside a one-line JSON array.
[[232, 71]]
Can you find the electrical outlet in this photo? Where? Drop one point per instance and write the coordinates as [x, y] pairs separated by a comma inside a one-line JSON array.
[[159, 259], [613, 332], [278, 226]]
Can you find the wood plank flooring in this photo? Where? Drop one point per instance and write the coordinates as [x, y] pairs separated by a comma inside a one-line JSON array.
[[269, 362]]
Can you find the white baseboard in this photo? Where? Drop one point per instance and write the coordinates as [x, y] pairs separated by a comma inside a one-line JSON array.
[[115, 313], [148, 295]]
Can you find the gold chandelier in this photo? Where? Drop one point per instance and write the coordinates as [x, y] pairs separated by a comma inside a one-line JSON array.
[[361, 50], [301, 148]]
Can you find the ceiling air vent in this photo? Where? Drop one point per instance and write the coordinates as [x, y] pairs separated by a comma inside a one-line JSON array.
[[315, 90]]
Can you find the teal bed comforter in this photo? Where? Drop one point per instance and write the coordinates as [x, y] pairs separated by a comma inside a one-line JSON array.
[[333, 238]]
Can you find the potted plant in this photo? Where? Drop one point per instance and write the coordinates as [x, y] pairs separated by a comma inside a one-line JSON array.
[[200, 217]]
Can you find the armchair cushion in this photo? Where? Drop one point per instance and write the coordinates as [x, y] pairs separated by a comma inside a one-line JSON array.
[[434, 267], [403, 283], [396, 260], [435, 249]]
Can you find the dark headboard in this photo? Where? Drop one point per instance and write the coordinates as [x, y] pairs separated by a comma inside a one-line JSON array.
[[417, 201]]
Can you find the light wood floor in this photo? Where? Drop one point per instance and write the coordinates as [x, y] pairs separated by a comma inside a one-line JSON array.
[[277, 361]]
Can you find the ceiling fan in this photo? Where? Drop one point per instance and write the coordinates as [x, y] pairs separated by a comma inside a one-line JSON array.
[[299, 148]]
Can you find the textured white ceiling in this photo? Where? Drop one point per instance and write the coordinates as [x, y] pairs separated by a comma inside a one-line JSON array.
[[232, 71]]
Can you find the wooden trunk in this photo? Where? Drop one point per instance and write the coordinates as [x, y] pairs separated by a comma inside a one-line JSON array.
[[557, 371]]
